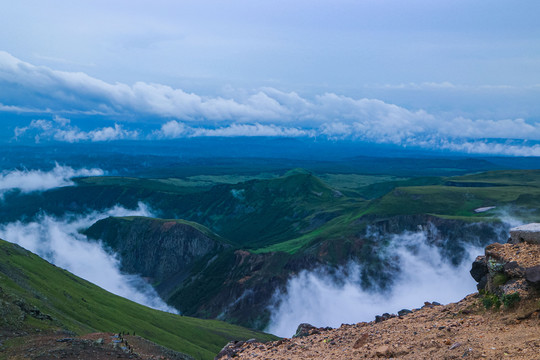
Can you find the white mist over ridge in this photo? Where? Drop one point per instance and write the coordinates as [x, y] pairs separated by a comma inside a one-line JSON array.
[[37, 180], [58, 241], [324, 299]]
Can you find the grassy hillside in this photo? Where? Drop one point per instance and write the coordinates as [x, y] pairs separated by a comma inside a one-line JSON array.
[[37, 295], [516, 192]]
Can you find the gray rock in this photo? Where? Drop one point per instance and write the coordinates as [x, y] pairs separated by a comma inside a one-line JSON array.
[[532, 275], [304, 330], [384, 317], [479, 268], [513, 286], [513, 270], [230, 350], [404, 312], [529, 233]]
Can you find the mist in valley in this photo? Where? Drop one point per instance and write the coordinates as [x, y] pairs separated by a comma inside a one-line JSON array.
[[59, 241], [423, 273]]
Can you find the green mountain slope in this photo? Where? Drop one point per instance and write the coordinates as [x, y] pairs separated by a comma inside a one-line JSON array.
[[37, 295], [515, 190], [251, 214]]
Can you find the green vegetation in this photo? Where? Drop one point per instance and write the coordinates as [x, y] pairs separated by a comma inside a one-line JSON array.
[[277, 225], [37, 295], [197, 226], [499, 279], [510, 300], [490, 300]]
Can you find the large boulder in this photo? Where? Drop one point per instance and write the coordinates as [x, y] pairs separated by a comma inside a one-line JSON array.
[[529, 233], [480, 271], [532, 275]]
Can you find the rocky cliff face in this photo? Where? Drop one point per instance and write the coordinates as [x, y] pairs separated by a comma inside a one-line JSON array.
[[162, 250]]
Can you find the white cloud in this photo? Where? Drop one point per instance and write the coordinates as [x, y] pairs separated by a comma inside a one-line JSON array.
[[36, 180], [484, 147], [60, 129], [262, 112], [174, 129]]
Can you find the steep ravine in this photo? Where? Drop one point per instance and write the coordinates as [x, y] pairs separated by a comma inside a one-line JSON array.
[[203, 276]]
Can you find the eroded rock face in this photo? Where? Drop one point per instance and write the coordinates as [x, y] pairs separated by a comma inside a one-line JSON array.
[[157, 249], [513, 267]]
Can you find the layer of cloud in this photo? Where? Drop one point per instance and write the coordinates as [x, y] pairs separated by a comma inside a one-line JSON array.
[[58, 240], [37, 180], [324, 299], [60, 129], [508, 148], [174, 129], [262, 112]]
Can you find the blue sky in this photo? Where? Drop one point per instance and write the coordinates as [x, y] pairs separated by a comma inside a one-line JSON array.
[[424, 73]]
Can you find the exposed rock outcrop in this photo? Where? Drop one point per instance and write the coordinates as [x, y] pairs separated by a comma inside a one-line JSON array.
[[529, 233], [511, 268]]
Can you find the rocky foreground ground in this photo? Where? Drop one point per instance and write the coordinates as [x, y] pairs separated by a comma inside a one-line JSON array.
[[455, 331], [502, 321]]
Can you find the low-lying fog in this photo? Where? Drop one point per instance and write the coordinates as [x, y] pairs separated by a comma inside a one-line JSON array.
[[322, 299], [38, 180], [58, 240]]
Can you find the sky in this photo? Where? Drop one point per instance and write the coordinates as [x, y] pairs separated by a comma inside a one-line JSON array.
[[457, 75]]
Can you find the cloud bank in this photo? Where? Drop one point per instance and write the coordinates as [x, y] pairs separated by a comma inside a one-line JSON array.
[[60, 129], [324, 299], [37, 180], [266, 111], [58, 241]]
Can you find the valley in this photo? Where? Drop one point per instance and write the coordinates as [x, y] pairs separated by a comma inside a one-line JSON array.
[[230, 244]]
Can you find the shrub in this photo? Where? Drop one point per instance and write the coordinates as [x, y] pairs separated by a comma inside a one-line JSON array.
[[510, 300], [491, 300]]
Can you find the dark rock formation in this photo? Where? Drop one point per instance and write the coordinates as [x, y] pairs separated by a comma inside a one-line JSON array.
[[532, 275], [511, 268], [529, 233], [304, 329], [480, 271], [162, 250]]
